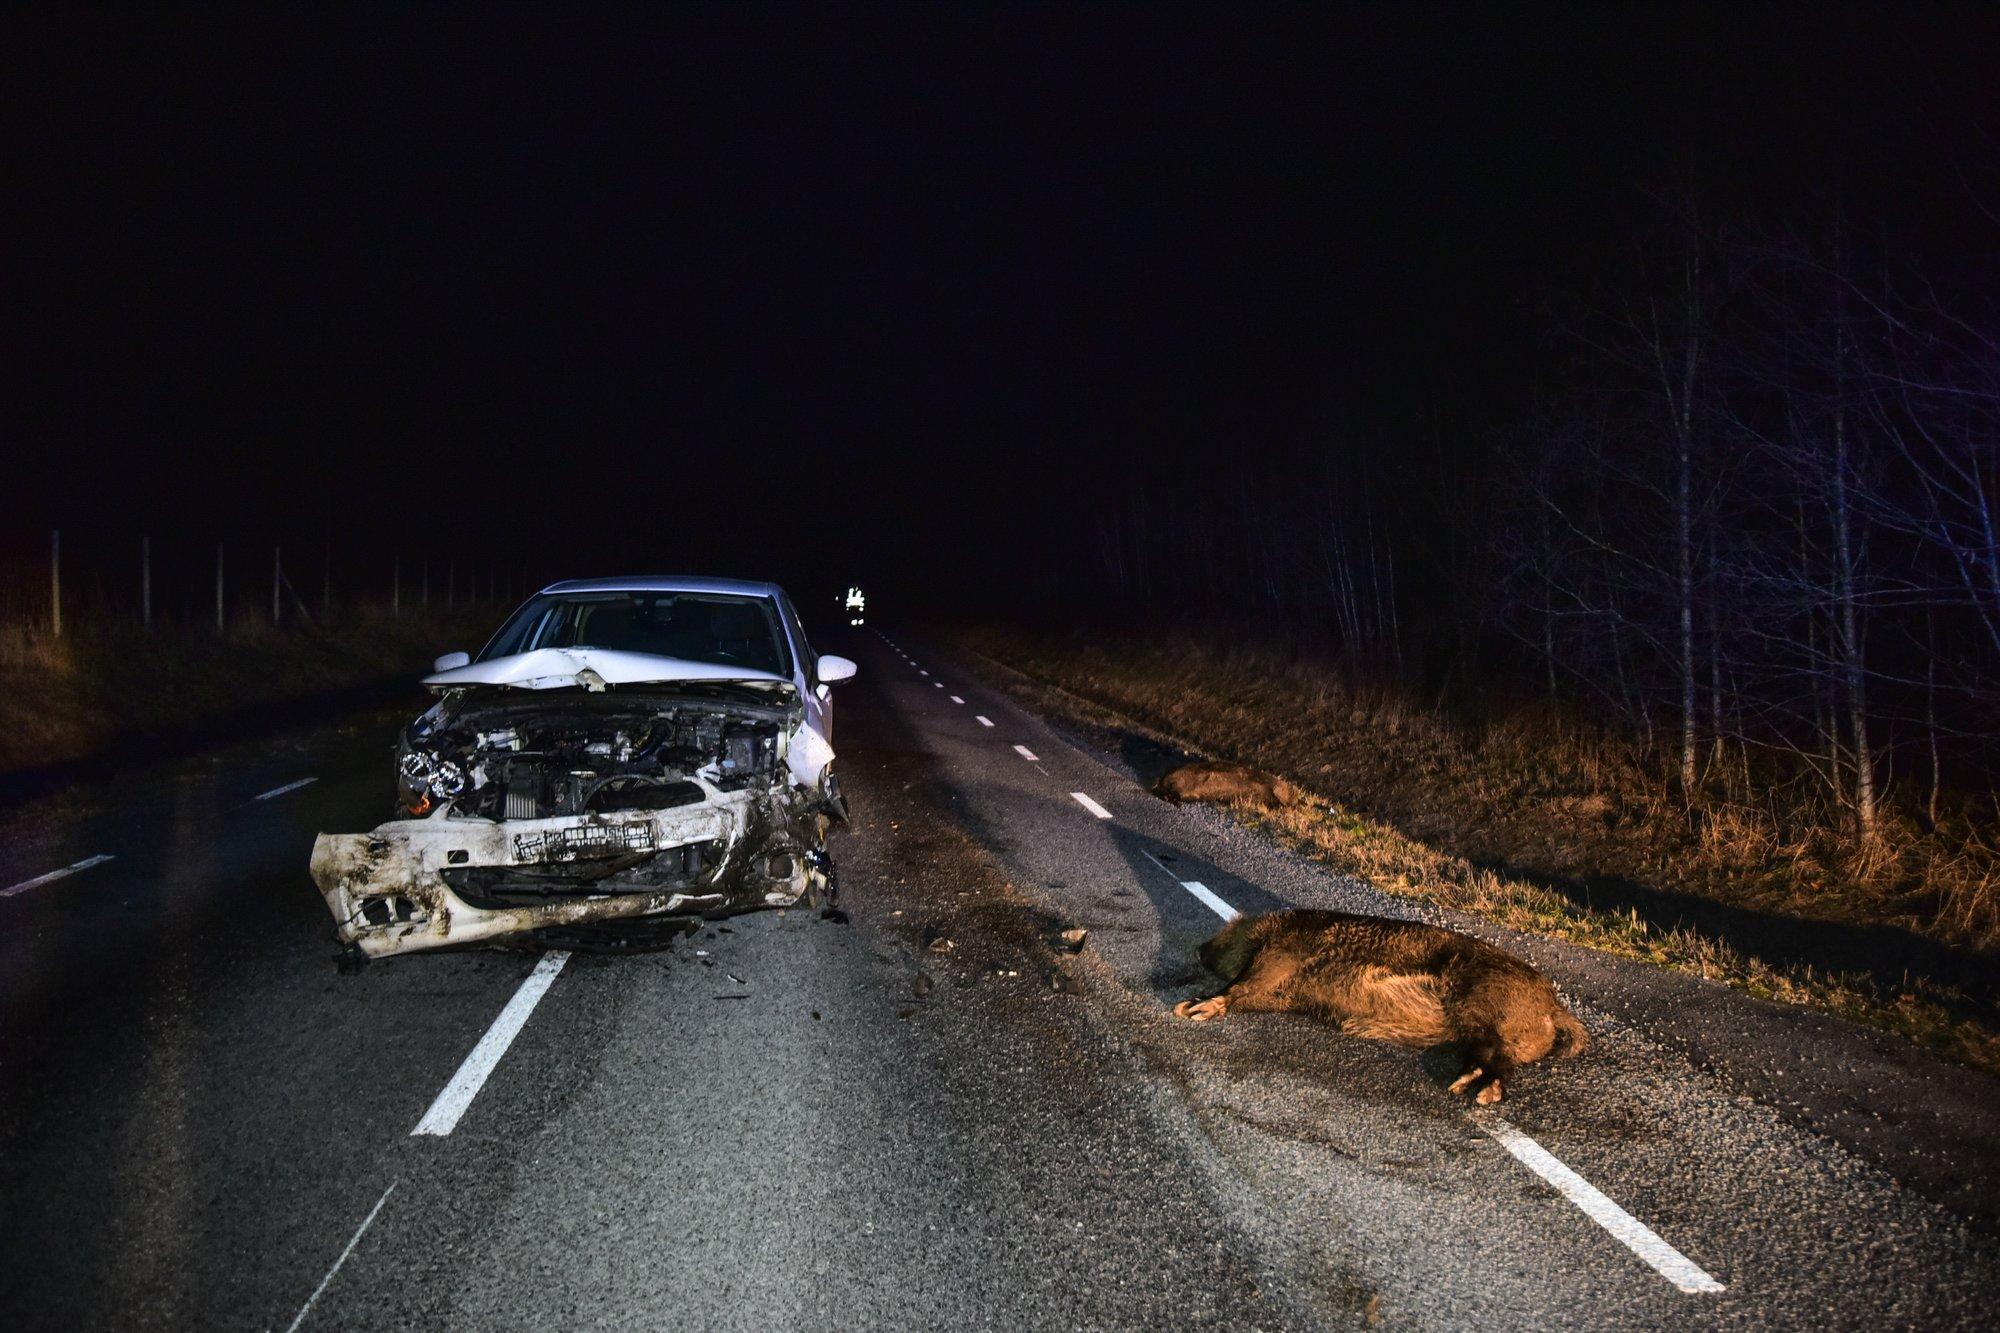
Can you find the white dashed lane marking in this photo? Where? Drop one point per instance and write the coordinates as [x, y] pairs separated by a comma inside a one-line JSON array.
[[983, 720], [1084, 800], [1025, 753], [54, 875], [451, 1104], [1199, 890], [1633, 1234], [955, 699]]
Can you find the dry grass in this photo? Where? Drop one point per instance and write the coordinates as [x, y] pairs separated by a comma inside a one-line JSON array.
[[1389, 860], [99, 689], [1420, 807]]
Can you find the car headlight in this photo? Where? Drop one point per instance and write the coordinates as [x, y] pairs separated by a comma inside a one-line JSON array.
[[422, 779]]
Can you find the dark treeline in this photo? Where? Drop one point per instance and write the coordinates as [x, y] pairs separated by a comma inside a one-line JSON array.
[[1753, 515], [1761, 517], [1730, 491]]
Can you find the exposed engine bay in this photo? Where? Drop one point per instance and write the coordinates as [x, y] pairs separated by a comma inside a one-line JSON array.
[[524, 811], [582, 754]]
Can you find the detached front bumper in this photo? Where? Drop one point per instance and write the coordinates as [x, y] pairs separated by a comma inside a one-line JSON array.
[[388, 893]]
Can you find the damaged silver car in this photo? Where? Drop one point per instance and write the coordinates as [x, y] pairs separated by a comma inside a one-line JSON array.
[[624, 750]]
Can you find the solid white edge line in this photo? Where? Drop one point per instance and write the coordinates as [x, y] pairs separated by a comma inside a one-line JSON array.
[[39, 880], [1628, 1230], [1025, 753], [355, 1240], [451, 1103], [1084, 800], [280, 791], [955, 699], [983, 720]]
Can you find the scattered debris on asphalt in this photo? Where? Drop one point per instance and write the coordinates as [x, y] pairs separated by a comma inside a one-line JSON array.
[[1073, 940]]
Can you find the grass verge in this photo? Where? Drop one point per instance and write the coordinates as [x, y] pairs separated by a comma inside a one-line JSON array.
[[108, 691]]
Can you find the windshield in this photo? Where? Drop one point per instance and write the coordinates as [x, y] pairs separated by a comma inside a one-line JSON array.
[[695, 627]]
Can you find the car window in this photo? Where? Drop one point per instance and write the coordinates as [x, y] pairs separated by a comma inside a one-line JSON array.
[[694, 627]]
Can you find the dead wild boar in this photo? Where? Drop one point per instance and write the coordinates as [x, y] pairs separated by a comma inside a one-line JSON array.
[[1397, 981], [1227, 784]]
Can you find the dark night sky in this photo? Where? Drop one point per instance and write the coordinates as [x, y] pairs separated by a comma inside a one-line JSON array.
[[868, 283]]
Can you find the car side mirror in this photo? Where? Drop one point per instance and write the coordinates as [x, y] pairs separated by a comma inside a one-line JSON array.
[[452, 662], [833, 670]]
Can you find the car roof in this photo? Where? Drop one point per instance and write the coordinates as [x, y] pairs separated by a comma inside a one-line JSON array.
[[668, 583]]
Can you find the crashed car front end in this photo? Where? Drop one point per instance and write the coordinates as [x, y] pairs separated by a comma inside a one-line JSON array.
[[535, 810]]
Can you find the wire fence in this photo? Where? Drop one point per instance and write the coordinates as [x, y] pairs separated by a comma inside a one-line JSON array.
[[59, 583]]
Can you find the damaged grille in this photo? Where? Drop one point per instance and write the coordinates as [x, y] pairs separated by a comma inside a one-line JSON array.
[[627, 872]]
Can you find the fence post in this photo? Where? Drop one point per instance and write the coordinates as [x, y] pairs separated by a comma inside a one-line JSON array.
[[55, 581], [221, 617], [146, 581], [277, 581]]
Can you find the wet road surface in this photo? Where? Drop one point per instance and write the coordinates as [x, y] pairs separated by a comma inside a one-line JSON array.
[[924, 1116]]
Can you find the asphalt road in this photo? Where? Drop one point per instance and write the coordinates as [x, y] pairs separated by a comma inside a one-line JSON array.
[[926, 1116]]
